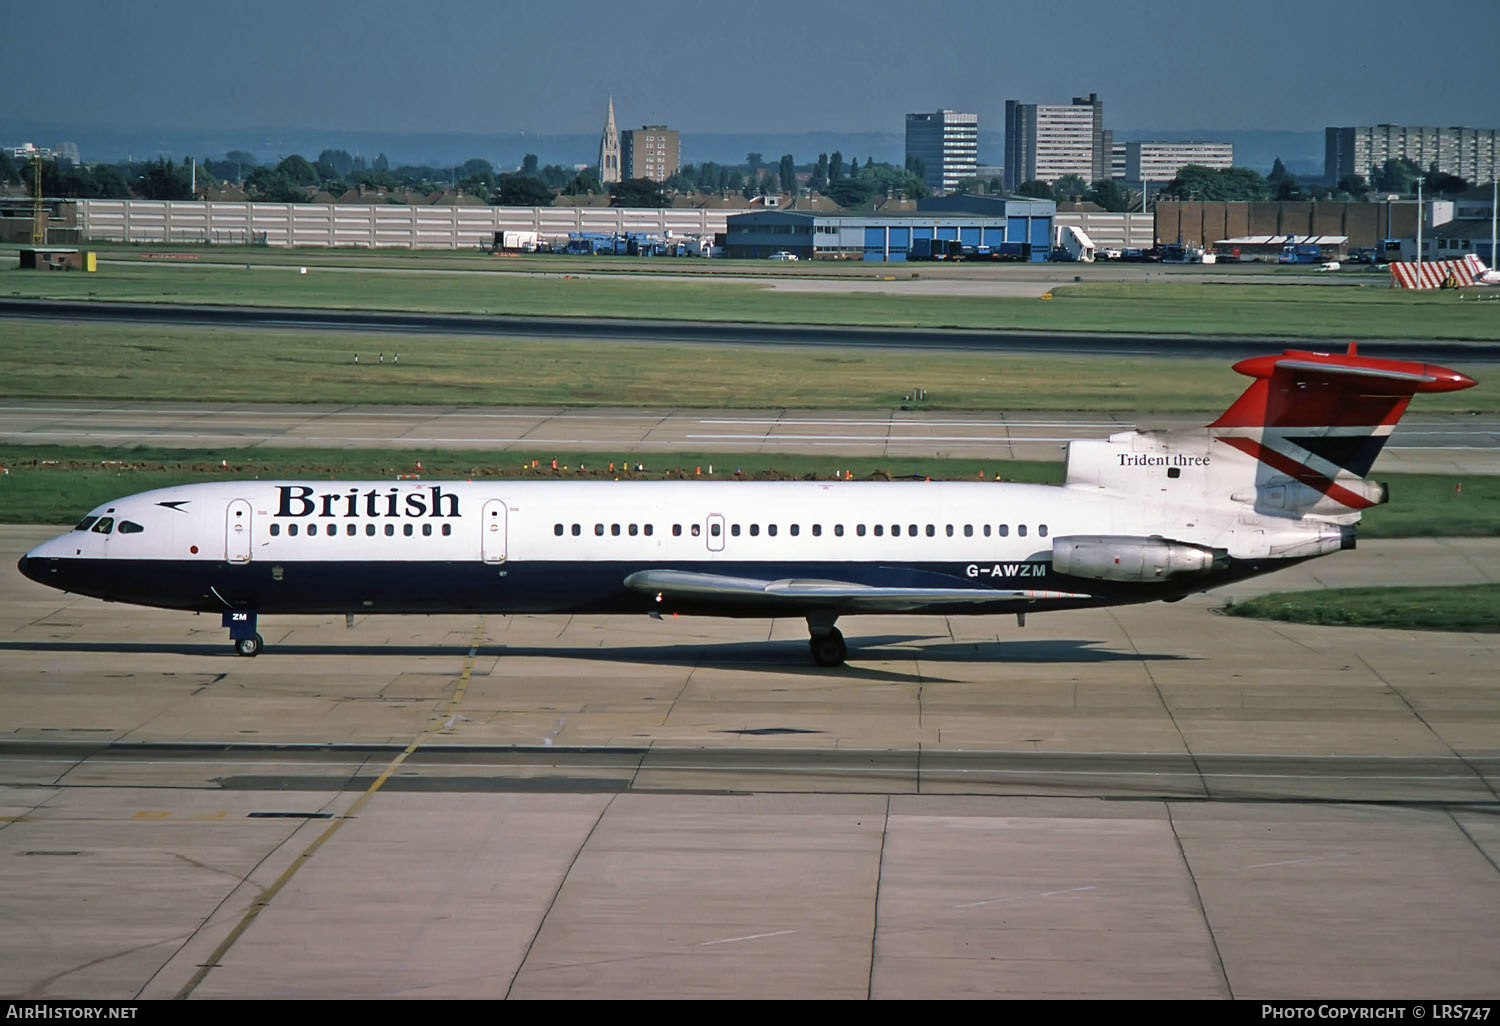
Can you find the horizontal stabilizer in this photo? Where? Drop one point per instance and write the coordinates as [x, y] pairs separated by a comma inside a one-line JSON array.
[[1321, 419]]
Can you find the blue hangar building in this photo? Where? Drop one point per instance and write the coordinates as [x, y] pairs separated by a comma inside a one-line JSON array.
[[957, 227]]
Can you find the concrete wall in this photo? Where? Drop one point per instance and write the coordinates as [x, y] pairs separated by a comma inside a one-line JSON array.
[[403, 227], [1111, 231], [1205, 223]]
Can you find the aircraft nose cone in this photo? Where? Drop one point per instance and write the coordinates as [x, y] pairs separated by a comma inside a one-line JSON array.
[[27, 566]]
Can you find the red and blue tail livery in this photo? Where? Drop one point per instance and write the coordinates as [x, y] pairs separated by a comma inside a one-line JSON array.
[[1321, 419]]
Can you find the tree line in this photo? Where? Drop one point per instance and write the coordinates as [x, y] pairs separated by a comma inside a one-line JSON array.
[[295, 179], [1401, 176], [849, 183]]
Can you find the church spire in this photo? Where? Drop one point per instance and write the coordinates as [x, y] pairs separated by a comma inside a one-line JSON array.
[[609, 149]]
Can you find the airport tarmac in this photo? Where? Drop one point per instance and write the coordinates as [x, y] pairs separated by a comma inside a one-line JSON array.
[[1151, 801], [1433, 443]]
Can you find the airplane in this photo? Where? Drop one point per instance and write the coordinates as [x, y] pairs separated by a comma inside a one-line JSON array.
[[1280, 477], [1486, 275]]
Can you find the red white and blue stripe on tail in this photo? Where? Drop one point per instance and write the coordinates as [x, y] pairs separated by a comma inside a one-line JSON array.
[[1322, 418]]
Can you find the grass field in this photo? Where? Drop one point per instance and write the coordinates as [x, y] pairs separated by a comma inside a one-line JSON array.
[[119, 362], [56, 484], [1174, 305], [1435, 506], [1466, 608]]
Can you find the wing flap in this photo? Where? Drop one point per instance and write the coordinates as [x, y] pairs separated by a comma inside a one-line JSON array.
[[802, 593]]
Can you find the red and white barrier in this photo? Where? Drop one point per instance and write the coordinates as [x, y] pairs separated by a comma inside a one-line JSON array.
[[1430, 274]]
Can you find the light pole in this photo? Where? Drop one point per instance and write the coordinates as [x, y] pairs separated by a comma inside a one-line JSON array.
[[1390, 198], [1494, 210], [1419, 229]]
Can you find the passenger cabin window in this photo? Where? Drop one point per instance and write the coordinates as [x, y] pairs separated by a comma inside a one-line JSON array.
[[734, 529], [577, 530], [557, 529], [1004, 530], [291, 530], [390, 530], [795, 530], [838, 530], [676, 530], [1042, 530], [369, 530], [351, 530], [771, 530], [275, 530], [1020, 530], [426, 530]]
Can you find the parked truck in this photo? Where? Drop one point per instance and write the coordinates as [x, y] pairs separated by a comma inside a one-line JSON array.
[[1300, 253], [516, 242]]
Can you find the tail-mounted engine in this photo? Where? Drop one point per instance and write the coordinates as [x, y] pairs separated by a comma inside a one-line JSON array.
[[1133, 558]]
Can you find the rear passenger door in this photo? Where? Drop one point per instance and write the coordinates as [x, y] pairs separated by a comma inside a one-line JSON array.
[[492, 517]]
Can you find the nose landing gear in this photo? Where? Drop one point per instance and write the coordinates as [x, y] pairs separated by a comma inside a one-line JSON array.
[[242, 632]]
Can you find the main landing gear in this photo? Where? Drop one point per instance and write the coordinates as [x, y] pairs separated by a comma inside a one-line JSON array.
[[827, 643], [242, 632]]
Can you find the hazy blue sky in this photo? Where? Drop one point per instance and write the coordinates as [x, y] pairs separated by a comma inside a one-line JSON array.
[[768, 65]]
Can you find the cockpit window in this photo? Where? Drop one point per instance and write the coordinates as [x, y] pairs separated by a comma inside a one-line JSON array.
[[85, 523], [105, 525], [130, 527]]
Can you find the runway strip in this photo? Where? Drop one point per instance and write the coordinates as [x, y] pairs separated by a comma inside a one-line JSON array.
[[594, 329], [1421, 442]]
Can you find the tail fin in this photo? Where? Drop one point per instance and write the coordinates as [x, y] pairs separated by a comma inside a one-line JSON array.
[[1321, 419]]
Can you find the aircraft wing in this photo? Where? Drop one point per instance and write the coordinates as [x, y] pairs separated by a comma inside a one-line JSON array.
[[899, 593]]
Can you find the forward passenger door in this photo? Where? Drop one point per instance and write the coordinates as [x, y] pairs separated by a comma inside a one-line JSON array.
[[237, 531]]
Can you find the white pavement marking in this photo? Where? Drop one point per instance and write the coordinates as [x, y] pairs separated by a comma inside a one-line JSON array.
[[749, 937], [1025, 897]]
